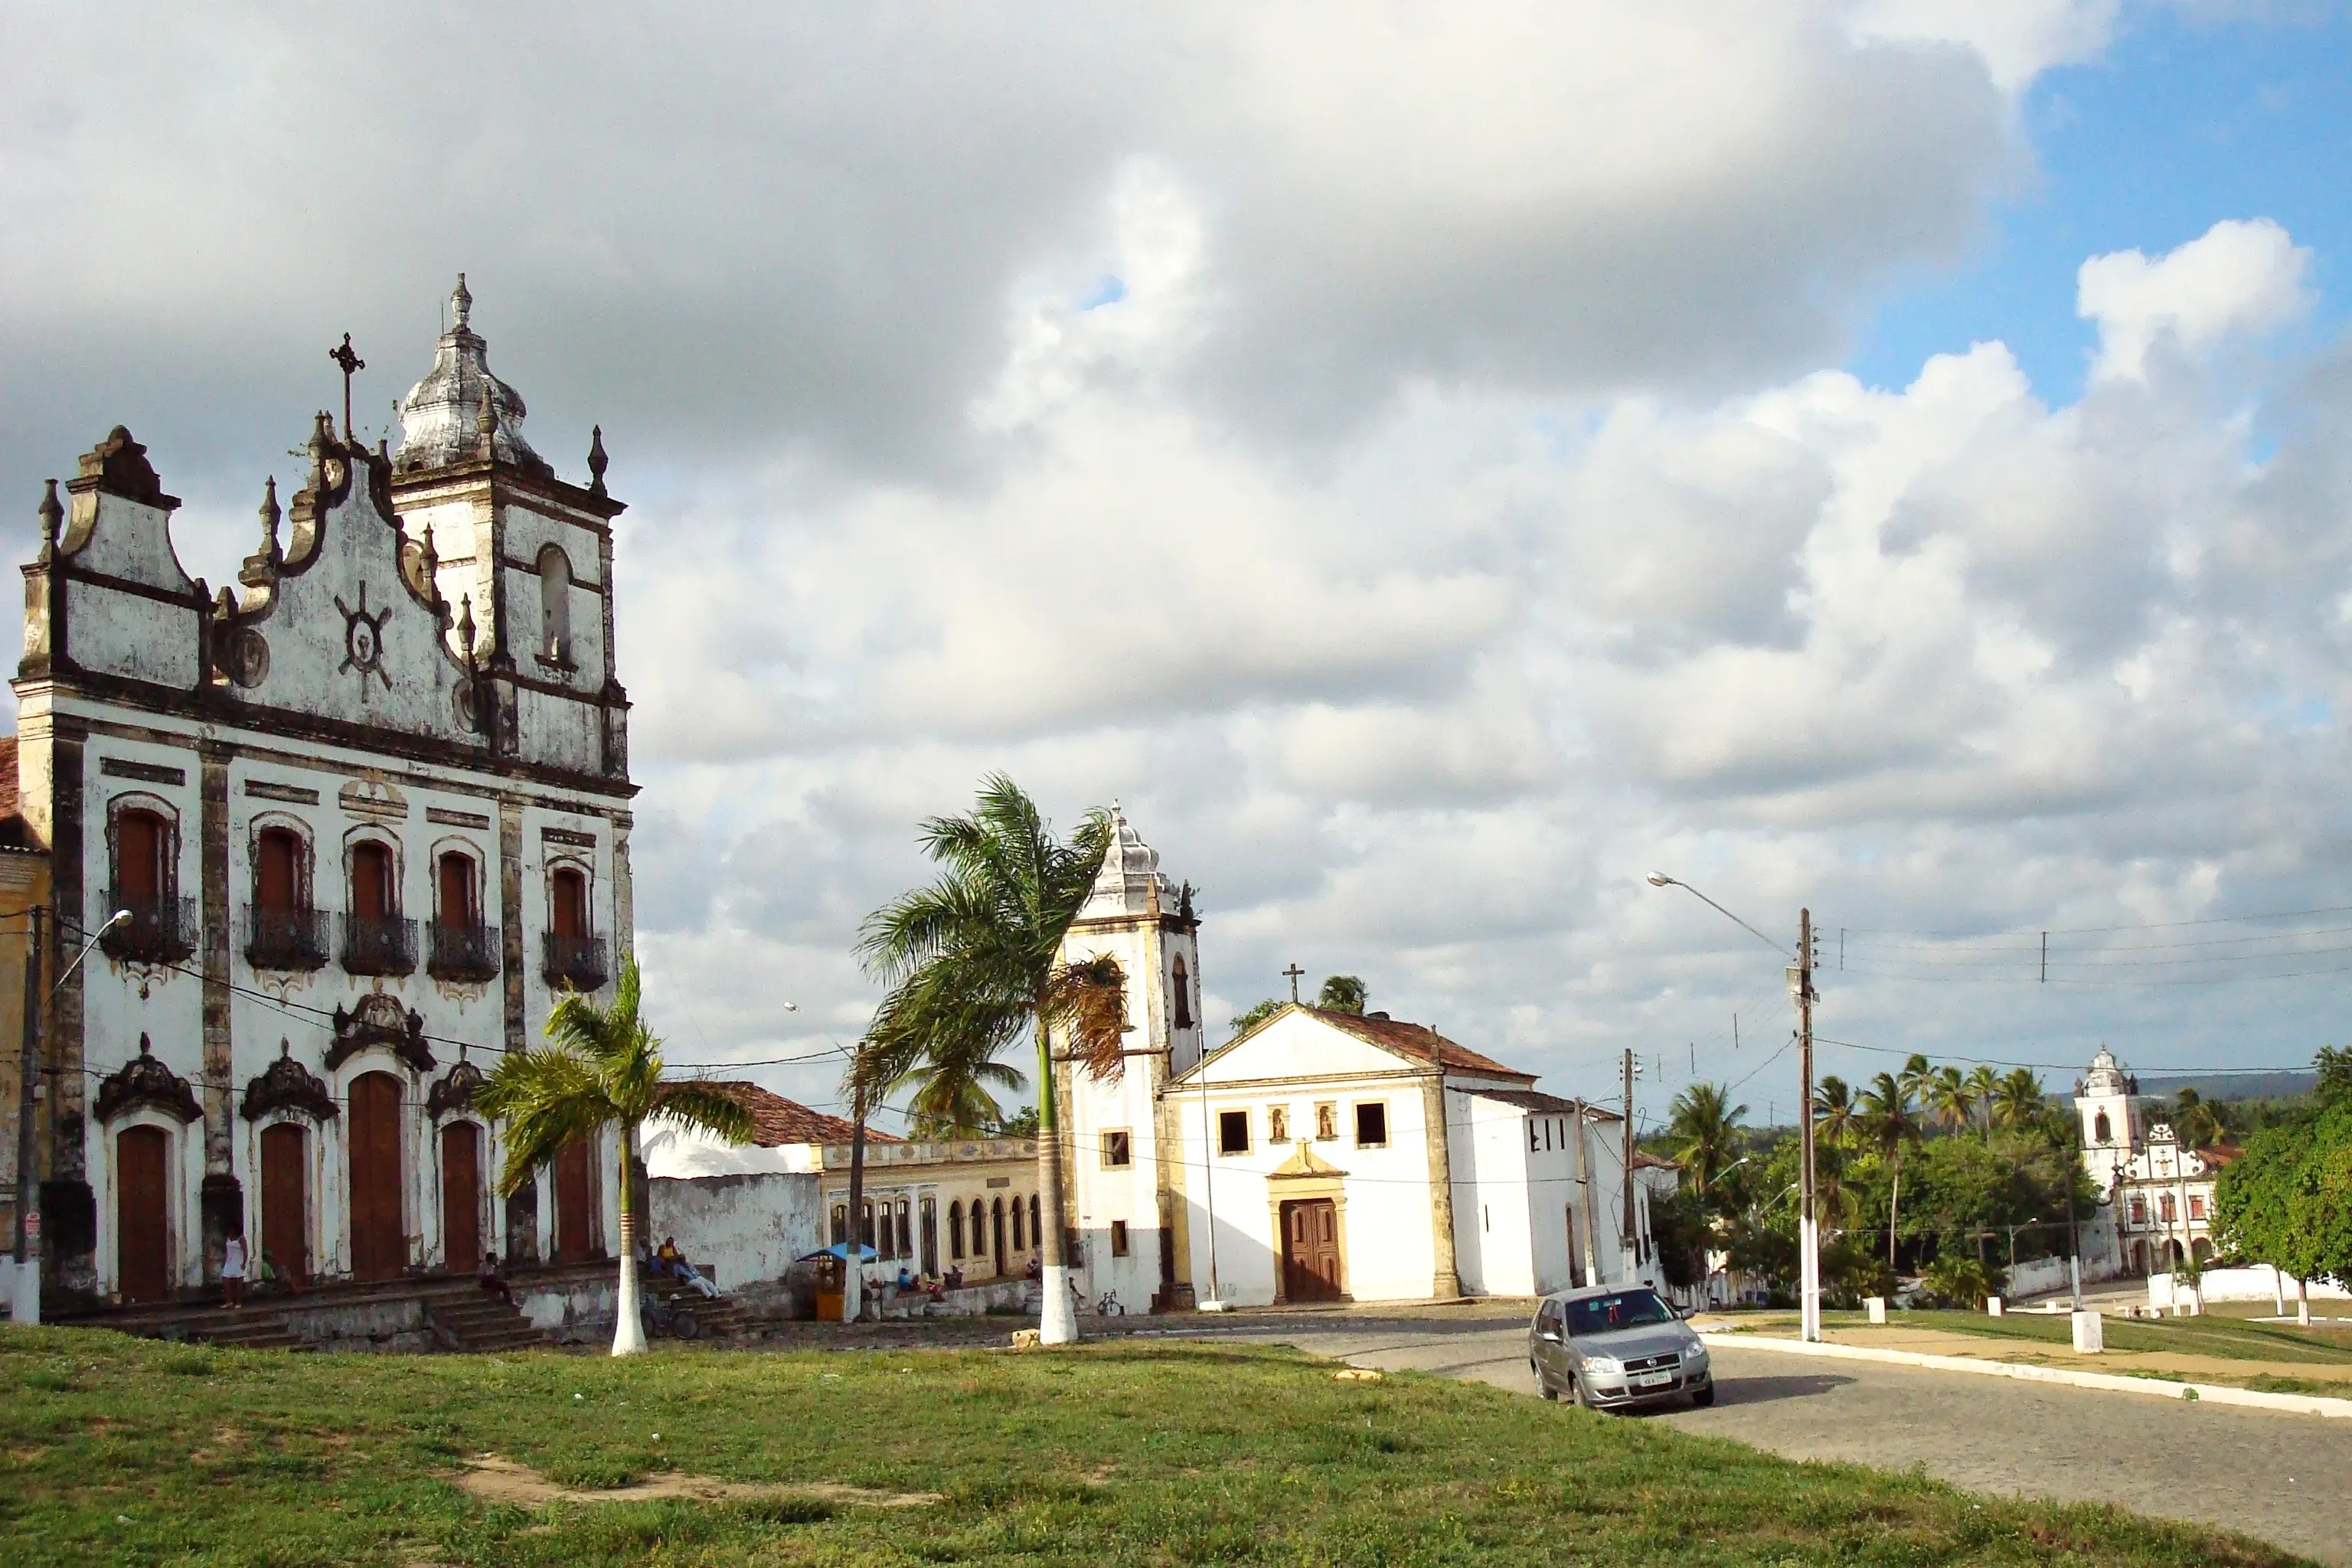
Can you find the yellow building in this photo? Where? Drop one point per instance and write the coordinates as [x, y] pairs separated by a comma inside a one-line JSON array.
[[24, 884]]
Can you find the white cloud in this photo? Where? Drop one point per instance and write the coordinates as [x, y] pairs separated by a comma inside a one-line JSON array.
[[2017, 40], [2237, 276]]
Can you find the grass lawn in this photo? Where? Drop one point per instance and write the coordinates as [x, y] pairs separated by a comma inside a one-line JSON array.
[[2233, 1339], [114, 1449]]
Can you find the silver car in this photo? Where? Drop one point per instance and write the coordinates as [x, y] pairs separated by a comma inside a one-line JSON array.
[[1616, 1348]]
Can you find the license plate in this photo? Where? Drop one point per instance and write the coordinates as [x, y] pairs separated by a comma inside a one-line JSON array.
[[1651, 1379]]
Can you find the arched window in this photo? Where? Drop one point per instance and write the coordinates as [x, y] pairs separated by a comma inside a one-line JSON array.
[[1179, 990], [276, 871], [142, 867], [372, 880], [457, 906], [567, 892], [840, 1225], [1037, 1237], [865, 1225], [996, 1234], [906, 1230], [1018, 1245], [554, 605], [955, 1231], [2102, 1130], [930, 1262], [2164, 1209]]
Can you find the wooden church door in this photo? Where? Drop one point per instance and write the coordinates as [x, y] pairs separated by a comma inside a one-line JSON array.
[[461, 1197], [572, 1205], [379, 1249], [142, 1260], [1310, 1247], [286, 1201]]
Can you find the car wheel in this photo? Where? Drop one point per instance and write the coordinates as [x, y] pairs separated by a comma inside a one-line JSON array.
[[1702, 1397], [1543, 1383], [1575, 1393]]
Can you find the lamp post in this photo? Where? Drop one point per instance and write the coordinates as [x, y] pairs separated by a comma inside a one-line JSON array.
[[1801, 990], [26, 1306]]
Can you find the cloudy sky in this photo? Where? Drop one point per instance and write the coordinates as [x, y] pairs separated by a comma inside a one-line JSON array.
[[1433, 465]]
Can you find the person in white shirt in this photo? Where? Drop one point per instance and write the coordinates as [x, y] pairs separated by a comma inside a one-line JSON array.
[[233, 1271]]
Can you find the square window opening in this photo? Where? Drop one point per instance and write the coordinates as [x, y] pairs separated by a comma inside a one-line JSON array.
[[1233, 1133], [1119, 1238], [1372, 1125], [1117, 1148]]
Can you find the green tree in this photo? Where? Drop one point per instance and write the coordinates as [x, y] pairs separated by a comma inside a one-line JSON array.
[[1022, 1124], [2018, 1102], [1342, 994], [975, 964], [1835, 1113], [1679, 1229], [2287, 1200], [603, 1068], [1702, 1129], [2334, 1067], [1892, 1126], [952, 1092], [1958, 1280], [1950, 1098], [1984, 1085], [1248, 1019], [2201, 1122]]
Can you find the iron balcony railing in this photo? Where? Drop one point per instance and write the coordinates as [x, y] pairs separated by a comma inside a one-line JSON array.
[[285, 939], [379, 944], [576, 960], [159, 931], [463, 953]]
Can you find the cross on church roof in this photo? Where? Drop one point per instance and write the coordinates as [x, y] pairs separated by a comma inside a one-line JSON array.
[[1294, 972], [351, 364]]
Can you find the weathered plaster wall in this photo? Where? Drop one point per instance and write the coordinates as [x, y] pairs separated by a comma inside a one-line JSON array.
[[747, 1228]]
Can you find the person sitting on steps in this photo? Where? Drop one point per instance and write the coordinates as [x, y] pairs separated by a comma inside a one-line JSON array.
[[488, 1278]]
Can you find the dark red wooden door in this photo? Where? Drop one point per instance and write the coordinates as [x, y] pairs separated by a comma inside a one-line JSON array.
[[456, 891], [461, 1197], [142, 1259], [572, 1205], [570, 915], [139, 856], [273, 877], [379, 1249], [1310, 1250], [286, 1201], [372, 882]]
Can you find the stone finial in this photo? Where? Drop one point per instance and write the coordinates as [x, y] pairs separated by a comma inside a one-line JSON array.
[[597, 461], [486, 424], [466, 627], [270, 514], [460, 302], [52, 514]]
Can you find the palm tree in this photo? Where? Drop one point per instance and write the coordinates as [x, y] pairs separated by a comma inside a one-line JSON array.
[[1950, 1099], [1983, 1084], [1342, 994], [975, 963], [1705, 1127], [603, 1069], [2197, 1119], [952, 1095], [1836, 1114], [2018, 1102], [1892, 1126]]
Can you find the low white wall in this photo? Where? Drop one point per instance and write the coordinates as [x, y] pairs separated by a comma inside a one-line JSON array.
[[745, 1228], [2259, 1283]]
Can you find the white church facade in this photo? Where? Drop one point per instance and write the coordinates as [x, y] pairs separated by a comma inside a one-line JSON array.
[[2156, 1192], [365, 815], [1318, 1156]]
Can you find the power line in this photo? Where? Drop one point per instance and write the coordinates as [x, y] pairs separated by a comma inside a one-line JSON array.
[[2093, 931], [2054, 1067]]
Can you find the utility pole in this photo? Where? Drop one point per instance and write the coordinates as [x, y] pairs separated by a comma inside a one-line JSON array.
[[1630, 1274], [1809, 1237], [27, 1307]]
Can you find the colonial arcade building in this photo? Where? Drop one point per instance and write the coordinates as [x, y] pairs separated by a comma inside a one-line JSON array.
[[366, 812]]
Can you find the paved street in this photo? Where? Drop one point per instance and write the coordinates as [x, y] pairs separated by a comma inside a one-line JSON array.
[[2285, 1478]]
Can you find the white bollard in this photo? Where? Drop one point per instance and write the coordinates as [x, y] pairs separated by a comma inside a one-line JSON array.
[[1875, 1306], [1992, 1307], [2090, 1336]]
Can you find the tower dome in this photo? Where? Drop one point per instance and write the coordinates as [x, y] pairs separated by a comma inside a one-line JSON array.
[[443, 419], [1130, 882]]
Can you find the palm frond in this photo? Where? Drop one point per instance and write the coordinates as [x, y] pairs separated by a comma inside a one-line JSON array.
[[549, 1099], [1085, 1008], [703, 1106]]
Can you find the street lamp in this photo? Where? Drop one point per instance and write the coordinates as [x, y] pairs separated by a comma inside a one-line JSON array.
[[1800, 989], [27, 1307]]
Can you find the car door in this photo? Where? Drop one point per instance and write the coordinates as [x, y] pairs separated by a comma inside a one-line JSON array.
[[1552, 1353]]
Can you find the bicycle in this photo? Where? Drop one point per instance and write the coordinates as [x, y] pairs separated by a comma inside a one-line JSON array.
[[1107, 1306], [666, 1316]]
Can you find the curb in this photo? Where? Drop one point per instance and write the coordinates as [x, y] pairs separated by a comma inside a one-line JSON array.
[[2213, 1393]]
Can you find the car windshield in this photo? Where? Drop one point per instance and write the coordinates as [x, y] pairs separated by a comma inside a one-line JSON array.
[[1625, 1310]]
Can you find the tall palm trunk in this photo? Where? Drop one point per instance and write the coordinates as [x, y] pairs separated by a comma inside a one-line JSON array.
[[853, 1246], [1057, 1320], [1894, 1208], [628, 1330]]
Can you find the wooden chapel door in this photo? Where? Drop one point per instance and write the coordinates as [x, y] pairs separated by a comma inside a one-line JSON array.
[[571, 1203], [142, 1259], [461, 1197], [1310, 1250], [379, 1245], [286, 1201]]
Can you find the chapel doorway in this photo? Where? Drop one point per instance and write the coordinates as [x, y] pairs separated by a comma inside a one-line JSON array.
[[379, 1245], [142, 1260], [461, 1197], [1310, 1250], [286, 1201], [996, 1235], [572, 1187]]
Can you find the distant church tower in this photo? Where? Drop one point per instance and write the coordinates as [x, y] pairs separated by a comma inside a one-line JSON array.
[[1124, 1193], [2109, 1103]]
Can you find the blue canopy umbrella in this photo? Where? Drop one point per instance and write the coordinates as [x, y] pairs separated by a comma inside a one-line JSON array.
[[838, 1249]]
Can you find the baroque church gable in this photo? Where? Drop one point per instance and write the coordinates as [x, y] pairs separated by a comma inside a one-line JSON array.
[[344, 620]]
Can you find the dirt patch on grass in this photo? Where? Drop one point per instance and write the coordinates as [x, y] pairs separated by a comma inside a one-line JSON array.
[[497, 1481]]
